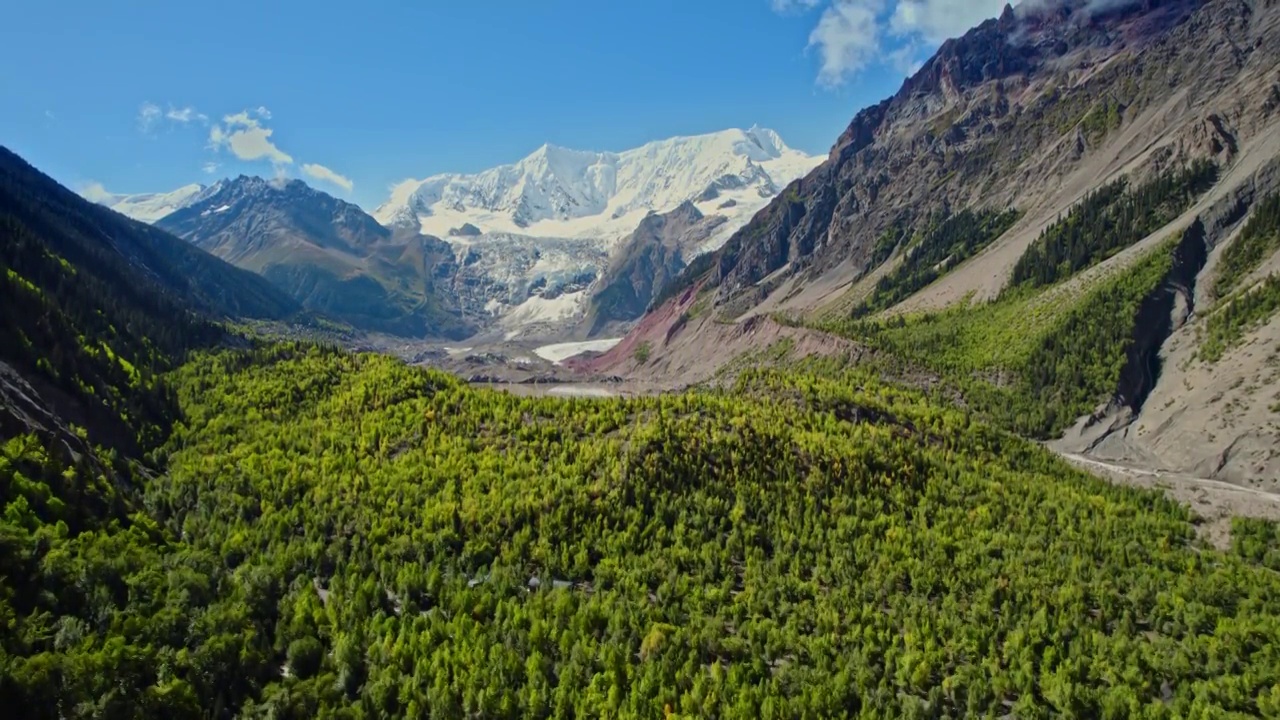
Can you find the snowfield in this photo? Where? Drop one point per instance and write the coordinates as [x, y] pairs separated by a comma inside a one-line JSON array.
[[549, 223], [563, 351], [603, 196], [146, 207], [538, 309]]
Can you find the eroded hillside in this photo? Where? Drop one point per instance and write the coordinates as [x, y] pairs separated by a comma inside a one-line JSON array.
[[1032, 222]]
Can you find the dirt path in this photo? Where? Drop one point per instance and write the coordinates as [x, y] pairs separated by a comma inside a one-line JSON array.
[[1216, 501]]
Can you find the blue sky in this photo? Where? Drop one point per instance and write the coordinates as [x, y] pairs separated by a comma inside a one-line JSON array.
[[147, 96]]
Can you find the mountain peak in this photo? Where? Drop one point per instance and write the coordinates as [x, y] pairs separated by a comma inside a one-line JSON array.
[[767, 140], [563, 192], [562, 159], [277, 183]]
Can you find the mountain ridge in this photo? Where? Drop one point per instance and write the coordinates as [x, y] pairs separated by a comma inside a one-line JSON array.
[[952, 115], [326, 253], [145, 207], [1061, 115], [96, 305], [558, 191], [543, 229], [547, 227]]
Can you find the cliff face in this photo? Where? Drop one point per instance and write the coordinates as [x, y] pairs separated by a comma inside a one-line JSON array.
[[998, 118], [649, 258]]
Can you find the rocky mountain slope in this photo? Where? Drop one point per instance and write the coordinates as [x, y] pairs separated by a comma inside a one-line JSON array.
[[999, 117], [328, 254], [643, 264], [1038, 112]]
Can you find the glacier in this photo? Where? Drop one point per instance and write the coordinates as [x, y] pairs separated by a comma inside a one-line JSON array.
[[541, 230]]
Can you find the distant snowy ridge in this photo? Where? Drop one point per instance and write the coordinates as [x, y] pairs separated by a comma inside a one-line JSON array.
[[147, 207], [559, 192], [540, 231]]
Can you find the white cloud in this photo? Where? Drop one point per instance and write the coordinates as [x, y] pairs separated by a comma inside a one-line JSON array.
[[937, 20], [852, 35], [247, 139], [95, 192], [240, 119], [245, 136], [320, 172], [784, 6], [255, 144], [906, 59], [148, 116], [185, 115], [847, 38]]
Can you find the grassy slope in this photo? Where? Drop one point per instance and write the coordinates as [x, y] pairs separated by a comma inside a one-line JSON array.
[[1048, 351], [1031, 361]]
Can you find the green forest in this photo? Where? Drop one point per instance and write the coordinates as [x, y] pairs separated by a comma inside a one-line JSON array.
[[214, 525], [1258, 239], [343, 535], [1109, 220], [1031, 362], [1227, 326], [942, 247], [1242, 308]]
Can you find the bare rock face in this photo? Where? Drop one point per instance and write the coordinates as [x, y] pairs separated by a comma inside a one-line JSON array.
[[649, 258], [467, 230], [1004, 112]]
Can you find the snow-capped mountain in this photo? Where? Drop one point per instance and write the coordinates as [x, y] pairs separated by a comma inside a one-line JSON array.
[[533, 237], [146, 207], [558, 192], [524, 244]]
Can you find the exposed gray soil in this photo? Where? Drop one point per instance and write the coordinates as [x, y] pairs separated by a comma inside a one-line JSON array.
[[1214, 501]]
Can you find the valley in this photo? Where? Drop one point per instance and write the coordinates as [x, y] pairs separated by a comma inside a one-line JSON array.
[[536, 250], [977, 415]]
